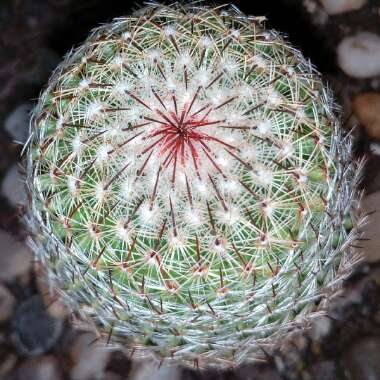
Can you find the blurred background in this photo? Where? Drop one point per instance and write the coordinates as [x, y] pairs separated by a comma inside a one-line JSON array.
[[37, 340]]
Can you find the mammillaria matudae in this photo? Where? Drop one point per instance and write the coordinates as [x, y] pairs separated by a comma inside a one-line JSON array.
[[188, 184]]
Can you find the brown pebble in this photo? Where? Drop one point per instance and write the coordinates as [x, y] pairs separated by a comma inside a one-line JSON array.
[[370, 243], [119, 363], [14, 256], [89, 358], [366, 107], [7, 363]]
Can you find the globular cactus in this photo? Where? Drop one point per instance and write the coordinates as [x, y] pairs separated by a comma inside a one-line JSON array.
[[189, 182]]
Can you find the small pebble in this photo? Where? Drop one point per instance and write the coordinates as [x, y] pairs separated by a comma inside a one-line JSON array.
[[13, 186], [34, 330], [321, 327], [14, 256], [7, 363], [359, 55], [148, 370], [42, 368], [112, 376], [310, 5], [362, 360], [334, 7], [366, 108], [374, 148], [89, 358], [319, 16], [7, 303], [119, 363], [370, 231], [57, 309], [17, 122]]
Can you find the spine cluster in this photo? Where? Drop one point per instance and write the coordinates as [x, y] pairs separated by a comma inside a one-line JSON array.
[[189, 183]]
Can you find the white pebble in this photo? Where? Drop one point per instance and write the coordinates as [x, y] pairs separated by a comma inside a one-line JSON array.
[[359, 55], [374, 147], [310, 5], [321, 327], [334, 7]]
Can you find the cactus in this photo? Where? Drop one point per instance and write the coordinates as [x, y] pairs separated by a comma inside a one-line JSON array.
[[189, 184]]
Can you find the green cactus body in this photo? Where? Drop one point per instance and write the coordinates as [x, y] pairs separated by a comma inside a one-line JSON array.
[[188, 181]]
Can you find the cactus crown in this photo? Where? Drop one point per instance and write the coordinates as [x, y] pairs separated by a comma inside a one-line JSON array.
[[189, 182]]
